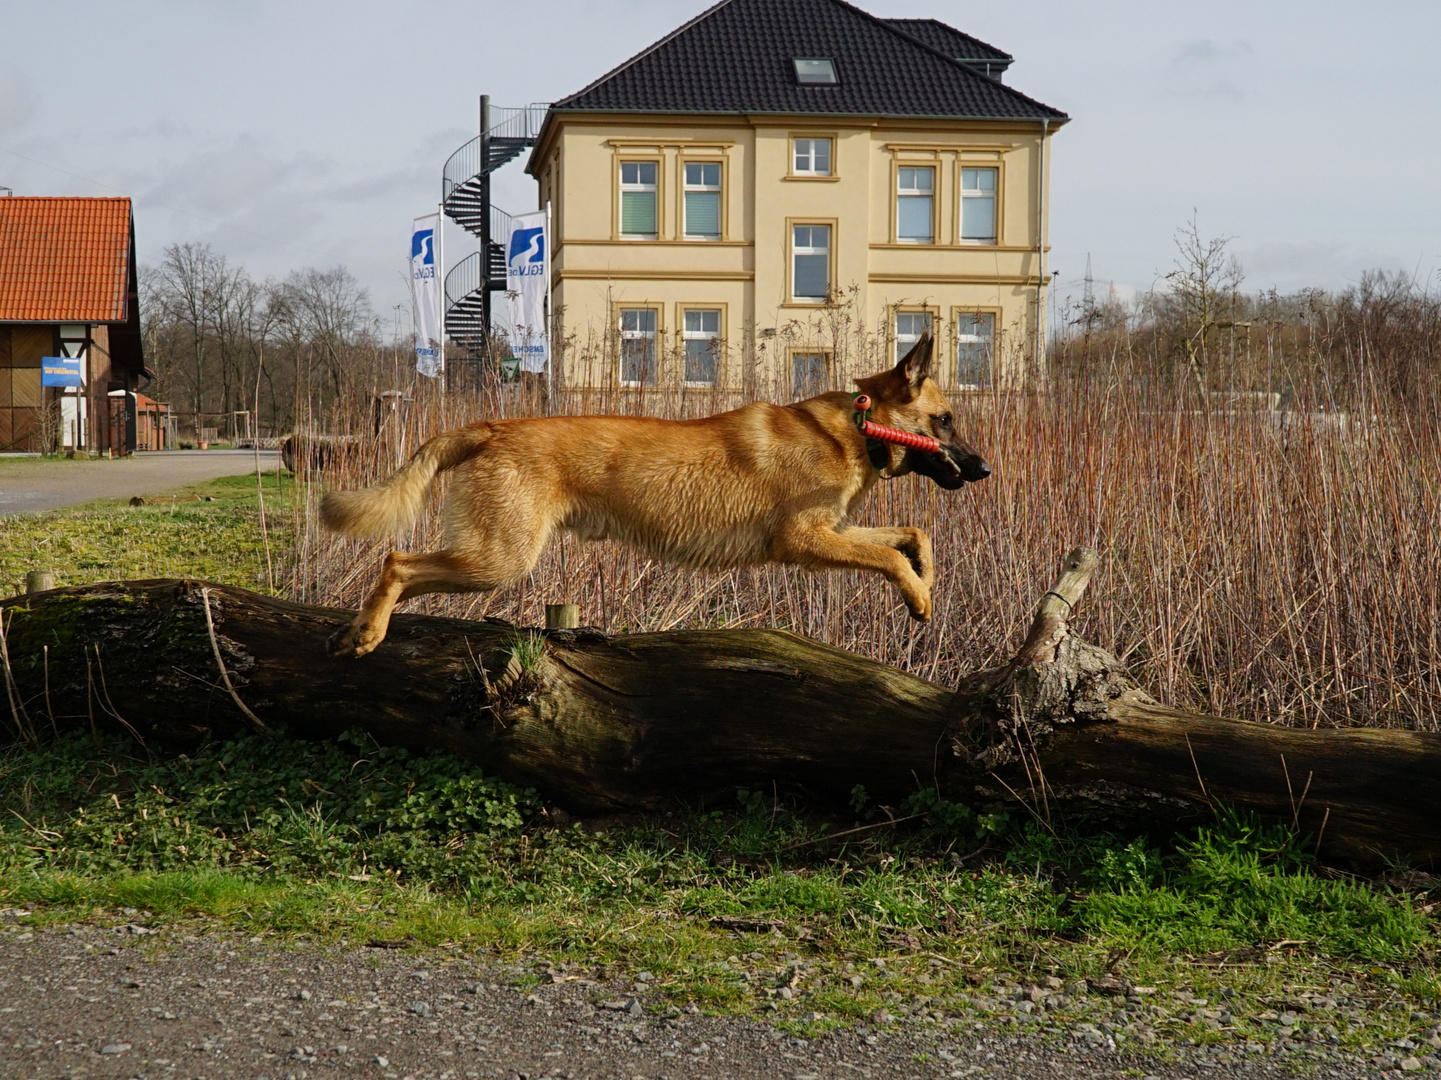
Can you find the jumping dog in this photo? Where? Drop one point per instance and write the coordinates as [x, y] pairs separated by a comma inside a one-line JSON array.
[[762, 483]]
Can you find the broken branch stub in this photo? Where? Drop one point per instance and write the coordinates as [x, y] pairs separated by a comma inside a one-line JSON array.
[[1000, 716]]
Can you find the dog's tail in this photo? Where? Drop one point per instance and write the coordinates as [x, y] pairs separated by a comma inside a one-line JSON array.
[[394, 504]]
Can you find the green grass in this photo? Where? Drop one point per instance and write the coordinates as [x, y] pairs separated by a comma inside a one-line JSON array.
[[219, 540], [357, 842], [350, 840]]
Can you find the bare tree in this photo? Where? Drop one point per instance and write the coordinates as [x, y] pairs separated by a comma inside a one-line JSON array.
[[330, 312], [1204, 289], [183, 294]]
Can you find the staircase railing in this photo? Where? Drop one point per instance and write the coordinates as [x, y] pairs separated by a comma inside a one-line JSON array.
[[523, 122], [462, 279], [499, 224]]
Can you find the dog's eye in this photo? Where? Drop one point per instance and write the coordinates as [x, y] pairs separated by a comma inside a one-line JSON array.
[[944, 420]]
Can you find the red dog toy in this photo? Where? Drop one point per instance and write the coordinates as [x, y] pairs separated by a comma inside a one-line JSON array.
[[862, 405]]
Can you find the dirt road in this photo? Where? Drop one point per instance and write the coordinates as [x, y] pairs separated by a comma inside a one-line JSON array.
[[124, 1002], [28, 484]]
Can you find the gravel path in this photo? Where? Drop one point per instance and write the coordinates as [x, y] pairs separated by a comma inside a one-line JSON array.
[[126, 1002], [28, 484]]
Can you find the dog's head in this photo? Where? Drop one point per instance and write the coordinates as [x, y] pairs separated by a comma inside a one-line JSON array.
[[906, 397]]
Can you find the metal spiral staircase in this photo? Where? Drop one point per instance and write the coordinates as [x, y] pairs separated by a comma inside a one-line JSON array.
[[505, 134]]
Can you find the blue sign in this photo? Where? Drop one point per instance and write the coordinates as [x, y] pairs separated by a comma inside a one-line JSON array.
[[61, 371]]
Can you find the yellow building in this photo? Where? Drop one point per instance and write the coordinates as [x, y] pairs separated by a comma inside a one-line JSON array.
[[780, 181]]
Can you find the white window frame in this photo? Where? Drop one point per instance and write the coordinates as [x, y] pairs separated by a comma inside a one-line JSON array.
[[994, 194], [810, 169], [810, 250], [703, 188], [637, 187], [912, 193], [966, 336], [700, 333], [904, 342], [638, 333]]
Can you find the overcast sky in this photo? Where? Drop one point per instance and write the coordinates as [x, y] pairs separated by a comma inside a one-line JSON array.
[[310, 132]]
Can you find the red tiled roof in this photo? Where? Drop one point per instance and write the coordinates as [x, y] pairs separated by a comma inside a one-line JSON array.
[[63, 260]]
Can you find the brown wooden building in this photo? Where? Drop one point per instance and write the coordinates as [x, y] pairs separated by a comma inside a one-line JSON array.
[[68, 287]]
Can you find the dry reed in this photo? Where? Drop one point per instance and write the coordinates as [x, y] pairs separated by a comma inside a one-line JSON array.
[[1274, 565]]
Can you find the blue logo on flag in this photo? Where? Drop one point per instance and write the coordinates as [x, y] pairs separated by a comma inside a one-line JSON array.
[[422, 247], [527, 246]]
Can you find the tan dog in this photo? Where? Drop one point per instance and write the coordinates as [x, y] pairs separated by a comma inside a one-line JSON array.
[[763, 483]]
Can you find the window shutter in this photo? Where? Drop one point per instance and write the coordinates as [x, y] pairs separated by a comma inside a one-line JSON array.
[[637, 213], [702, 213]]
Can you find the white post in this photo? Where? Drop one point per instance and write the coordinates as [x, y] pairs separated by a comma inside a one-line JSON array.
[[553, 374], [440, 292]]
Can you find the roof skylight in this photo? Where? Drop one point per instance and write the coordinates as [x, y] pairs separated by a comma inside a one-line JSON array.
[[816, 72]]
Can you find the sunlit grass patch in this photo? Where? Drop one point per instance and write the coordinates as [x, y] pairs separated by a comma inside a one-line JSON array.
[[220, 540]]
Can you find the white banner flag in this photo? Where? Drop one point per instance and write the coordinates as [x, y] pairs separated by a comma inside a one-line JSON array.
[[425, 295], [527, 273]]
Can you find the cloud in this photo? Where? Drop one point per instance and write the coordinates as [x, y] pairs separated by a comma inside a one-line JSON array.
[[1206, 68], [1330, 264], [233, 179], [1200, 51], [18, 101]]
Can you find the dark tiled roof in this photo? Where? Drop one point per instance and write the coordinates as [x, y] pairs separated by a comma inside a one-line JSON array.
[[949, 40], [64, 259], [736, 58]]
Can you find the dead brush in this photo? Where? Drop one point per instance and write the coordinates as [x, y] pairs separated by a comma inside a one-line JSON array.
[[1279, 565]]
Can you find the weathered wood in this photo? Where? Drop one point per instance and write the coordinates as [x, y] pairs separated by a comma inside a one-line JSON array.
[[1053, 613], [615, 723], [562, 616], [39, 581]]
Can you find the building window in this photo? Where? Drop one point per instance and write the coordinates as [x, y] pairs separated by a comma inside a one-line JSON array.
[[637, 346], [978, 205], [702, 344], [808, 374], [812, 157], [637, 199], [816, 72], [915, 198], [910, 325], [703, 200], [975, 346], [811, 263]]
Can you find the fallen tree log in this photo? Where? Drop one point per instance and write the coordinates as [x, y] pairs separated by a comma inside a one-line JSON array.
[[602, 724]]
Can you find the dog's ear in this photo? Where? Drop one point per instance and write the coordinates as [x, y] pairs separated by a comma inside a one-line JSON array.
[[915, 366], [902, 383]]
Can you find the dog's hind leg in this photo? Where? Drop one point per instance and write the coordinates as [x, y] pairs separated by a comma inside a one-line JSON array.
[[911, 542], [820, 546], [403, 576]]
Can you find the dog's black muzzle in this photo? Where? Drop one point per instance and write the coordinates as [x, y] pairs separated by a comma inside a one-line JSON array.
[[952, 468]]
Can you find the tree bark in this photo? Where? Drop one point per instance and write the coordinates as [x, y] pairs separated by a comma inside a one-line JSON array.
[[604, 724]]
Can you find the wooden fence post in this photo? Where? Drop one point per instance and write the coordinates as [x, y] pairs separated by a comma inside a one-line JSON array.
[[39, 581], [562, 616]]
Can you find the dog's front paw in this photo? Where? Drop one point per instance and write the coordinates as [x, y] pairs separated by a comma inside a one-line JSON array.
[[354, 641], [917, 550], [920, 608]]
